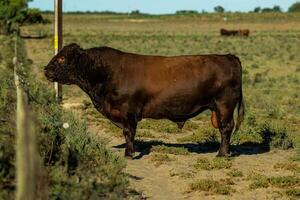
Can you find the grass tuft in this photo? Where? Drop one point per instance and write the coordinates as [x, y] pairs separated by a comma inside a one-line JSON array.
[[170, 150], [293, 193], [235, 173], [261, 181], [216, 163], [291, 166], [213, 187], [275, 136], [158, 159]]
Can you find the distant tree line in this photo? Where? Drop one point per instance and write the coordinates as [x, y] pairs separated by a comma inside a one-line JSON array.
[[293, 8], [218, 9], [263, 10]]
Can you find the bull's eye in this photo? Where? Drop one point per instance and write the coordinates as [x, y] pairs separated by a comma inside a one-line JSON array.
[[61, 60]]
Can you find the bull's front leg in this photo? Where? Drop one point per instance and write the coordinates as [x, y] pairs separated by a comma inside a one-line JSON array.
[[129, 131], [129, 134]]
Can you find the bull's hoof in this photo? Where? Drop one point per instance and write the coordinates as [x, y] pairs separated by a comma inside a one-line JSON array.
[[129, 154]]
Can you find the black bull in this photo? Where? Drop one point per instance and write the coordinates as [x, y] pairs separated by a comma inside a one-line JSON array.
[[128, 87]]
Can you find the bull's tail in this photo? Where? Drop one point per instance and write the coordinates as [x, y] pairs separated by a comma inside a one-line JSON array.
[[240, 106], [240, 112]]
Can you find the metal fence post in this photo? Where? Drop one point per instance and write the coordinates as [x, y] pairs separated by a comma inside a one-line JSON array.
[[58, 42]]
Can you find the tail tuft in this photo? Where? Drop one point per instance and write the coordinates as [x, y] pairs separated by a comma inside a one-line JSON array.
[[240, 115]]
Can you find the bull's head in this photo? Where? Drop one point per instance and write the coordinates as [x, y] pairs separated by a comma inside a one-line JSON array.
[[64, 67]]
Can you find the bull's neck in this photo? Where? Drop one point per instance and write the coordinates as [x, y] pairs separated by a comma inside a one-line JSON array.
[[92, 82], [97, 74]]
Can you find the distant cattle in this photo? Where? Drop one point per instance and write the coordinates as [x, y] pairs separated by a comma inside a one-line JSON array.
[[127, 87], [241, 32]]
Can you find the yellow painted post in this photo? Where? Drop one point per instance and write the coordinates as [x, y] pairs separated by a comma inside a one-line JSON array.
[[58, 42]]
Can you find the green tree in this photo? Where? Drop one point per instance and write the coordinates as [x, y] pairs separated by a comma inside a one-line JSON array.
[[277, 9], [294, 7], [17, 11], [10, 8], [257, 9], [274, 9], [219, 9]]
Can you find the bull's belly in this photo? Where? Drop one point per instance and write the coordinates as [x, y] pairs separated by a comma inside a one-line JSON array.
[[174, 110]]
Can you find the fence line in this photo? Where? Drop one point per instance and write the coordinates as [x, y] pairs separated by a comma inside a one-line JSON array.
[[28, 167]]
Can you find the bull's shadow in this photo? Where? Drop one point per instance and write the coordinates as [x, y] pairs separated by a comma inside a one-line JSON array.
[[249, 148]]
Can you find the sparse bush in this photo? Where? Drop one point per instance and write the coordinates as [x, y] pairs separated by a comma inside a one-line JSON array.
[[261, 181], [212, 186], [284, 181], [275, 136]]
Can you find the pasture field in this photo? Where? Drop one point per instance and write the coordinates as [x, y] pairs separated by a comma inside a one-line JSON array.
[[181, 164]]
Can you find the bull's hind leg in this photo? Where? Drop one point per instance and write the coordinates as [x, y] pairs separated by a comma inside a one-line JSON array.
[[224, 111], [226, 127]]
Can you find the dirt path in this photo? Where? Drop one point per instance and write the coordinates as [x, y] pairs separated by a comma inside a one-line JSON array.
[[167, 174]]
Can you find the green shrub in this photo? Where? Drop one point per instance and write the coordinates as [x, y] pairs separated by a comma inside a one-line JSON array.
[[275, 136], [17, 11], [295, 7], [7, 124]]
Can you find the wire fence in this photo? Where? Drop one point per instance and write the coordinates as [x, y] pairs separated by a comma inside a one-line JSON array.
[[28, 166]]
